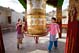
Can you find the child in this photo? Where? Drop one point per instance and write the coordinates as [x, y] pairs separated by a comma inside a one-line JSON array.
[[54, 29], [19, 33]]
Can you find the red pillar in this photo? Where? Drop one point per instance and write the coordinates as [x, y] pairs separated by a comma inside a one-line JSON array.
[[2, 50], [72, 40]]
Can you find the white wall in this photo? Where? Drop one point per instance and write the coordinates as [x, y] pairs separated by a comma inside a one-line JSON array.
[[15, 16], [65, 20], [3, 17], [4, 13]]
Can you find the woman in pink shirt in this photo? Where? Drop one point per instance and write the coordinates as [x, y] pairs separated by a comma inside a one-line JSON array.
[[54, 29], [19, 33]]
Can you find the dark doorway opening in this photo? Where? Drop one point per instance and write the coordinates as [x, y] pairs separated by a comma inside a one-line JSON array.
[[9, 19]]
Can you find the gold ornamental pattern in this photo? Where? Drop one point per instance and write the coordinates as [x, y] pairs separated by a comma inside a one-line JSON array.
[[36, 24], [36, 17]]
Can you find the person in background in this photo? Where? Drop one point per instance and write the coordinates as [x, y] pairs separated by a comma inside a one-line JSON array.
[[24, 24], [53, 29], [20, 36]]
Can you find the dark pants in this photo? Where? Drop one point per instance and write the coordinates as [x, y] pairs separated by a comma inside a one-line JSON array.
[[51, 44]]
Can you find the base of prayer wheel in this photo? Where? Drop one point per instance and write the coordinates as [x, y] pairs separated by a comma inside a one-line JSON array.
[[36, 35]]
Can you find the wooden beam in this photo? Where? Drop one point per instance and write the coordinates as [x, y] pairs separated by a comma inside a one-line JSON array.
[[59, 19]]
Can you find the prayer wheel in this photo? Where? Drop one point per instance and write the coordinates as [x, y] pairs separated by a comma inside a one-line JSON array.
[[36, 17]]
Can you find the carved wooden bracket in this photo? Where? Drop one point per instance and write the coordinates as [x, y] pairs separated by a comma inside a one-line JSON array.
[[72, 11]]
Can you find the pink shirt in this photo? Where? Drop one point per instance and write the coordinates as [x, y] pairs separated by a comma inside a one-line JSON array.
[[54, 28]]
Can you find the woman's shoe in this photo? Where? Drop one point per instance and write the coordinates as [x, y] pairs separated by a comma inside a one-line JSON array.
[[20, 46], [49, 51], [17, 46]]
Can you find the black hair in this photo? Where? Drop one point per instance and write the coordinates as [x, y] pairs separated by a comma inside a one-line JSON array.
[[19, 19], [53, 18], [24, 20]]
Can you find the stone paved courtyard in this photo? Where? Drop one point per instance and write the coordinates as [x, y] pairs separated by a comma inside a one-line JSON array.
[[29, 45]]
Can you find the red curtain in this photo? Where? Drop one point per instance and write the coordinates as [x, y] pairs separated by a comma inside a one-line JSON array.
[[72, 40]]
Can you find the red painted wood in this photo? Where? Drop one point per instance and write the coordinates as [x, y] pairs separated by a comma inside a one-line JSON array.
[[2, 50]]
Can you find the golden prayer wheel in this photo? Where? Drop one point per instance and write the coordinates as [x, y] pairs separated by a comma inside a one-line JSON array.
[[36, 17]]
